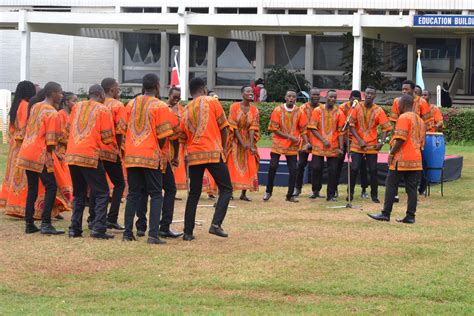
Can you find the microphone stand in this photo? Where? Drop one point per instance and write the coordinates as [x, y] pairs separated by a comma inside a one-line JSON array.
[[348, 152]]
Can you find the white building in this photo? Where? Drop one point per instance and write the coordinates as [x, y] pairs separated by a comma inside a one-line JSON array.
[[229, 42]]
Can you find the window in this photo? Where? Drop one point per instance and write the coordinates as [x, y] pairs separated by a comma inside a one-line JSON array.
[[391, 56], [276, 54], [235, 62], [197, 54], [328, 52], [330, 82], [276, 11], [439, 54], [141, 55]]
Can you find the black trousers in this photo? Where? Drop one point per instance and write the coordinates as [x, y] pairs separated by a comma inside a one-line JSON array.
[[317, 163], [150, 180], [302, 163], [356, 166], [292, 169], [169, 186], [49, 182], [220, 173], [95, 179], [115, 172], [364, 181], [391, 188]]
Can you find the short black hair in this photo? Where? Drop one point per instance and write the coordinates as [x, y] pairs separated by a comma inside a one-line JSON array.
[[244, 86], [355, 94], [108, 83], [51, 87], [331, 90], [411, 83], [195, 84], [290, 90], [406, 98], [173, 89], [95, 89], [259, 81], [417, 86], [150, 81], [370, 87]]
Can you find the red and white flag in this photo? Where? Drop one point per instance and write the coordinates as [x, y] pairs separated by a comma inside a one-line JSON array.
[[175, 82]]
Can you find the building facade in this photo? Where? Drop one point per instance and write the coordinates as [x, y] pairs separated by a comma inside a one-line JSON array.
[[230, 43]]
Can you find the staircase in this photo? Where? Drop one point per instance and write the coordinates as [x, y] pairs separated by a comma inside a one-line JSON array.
[[463, 101]]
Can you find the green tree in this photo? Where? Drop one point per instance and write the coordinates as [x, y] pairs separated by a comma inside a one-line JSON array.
[[279, 80]]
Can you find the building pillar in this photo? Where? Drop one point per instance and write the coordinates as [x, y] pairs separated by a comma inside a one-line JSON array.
[[183, 31], [70, 77], [308, 59], [211, 62], [25, 51], [410, 61], [260, 57], [117, 60], [164, 64], [357, 33]]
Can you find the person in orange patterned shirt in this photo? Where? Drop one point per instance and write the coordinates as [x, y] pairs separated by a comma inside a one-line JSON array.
[[288, 125], [149, 123], [365, 119], [205, 132], [242, 154], [90, 125], [303, 155], [420, 106], [110, 153], [404, 160], [326, 126], [35, 157]]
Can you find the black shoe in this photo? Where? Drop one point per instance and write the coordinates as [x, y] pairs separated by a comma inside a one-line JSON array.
[[170, 234], [267, 196], [188, 237], [407, 220], [316, 195], [128, 237], [98, 235], [218, 231], [59, 217], [155, 241], [351, 199], [331, 199], [297, 192], [211, 196], [292, 199], [31, 228], [141, 233], [396, 199], [48, 229], [364, 195], [74, 234], [380, 217], [375, 200], [245, 198], [115, 226]]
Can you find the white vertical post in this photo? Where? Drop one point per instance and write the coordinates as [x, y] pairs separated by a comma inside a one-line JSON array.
[[211, 62], [358, 51], [308, 59], [71, 64], [438, 96], [260, 57], [117, 61], [164, 64], [410, 61], [183, 56], [25, 46]]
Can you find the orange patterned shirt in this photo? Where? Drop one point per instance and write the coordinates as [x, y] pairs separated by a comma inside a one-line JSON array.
[[410, 128], [293, 123], [18, 128], [307, 109], [420, 107], [168, 149], [149, 120], [329, 124], [365, 121], [203, 120], [42, 130], [89, 125], [110, 152], [437, 117]]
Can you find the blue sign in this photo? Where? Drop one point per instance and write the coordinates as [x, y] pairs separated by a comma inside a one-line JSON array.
[[444, 20]]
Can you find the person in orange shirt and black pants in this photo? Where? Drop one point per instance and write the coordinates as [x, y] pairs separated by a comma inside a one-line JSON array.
[[90, 125], [110, 153], [205, 131], [365, 119], [404, 160], [41, 137], [148, 126], [326, 126]]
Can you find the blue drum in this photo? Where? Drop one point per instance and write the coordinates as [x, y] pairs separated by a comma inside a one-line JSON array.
[[433, 156]]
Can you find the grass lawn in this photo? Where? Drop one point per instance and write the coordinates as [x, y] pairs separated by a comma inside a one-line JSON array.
[[280, 258]]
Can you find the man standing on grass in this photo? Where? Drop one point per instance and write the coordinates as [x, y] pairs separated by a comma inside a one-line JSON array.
[[288, 125], [404, 160]]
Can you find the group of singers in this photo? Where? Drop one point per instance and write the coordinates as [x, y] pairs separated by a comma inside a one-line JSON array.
[[81, 149]]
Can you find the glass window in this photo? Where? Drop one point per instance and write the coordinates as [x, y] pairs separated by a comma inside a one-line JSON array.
[[328, 52], [439, 54], [141, 55], [330, 82], [234, 78], [391, 56], [197, 50], [275, 52], [235, 54]]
